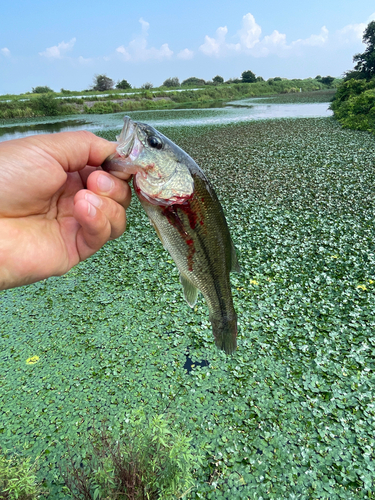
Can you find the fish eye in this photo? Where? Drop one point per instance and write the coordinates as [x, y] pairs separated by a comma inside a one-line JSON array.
[[155, 142]]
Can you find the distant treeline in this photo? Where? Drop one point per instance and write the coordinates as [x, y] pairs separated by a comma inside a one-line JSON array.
[[49, 104], [354, 103]]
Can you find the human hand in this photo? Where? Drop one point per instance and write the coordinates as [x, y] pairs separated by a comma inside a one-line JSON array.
[[49, 221]]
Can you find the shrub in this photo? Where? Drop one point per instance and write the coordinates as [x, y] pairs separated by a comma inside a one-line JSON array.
[[41, 90], [18, 479], [147, 86], [148, 461], [248, 77], [102, 83], [218, 80], [46, 105], [123, 84], [171, 82], [193, 81]]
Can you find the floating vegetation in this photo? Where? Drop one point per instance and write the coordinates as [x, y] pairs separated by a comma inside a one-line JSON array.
[[291, 414]]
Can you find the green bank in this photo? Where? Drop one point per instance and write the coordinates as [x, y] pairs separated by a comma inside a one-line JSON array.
[[55, 104]]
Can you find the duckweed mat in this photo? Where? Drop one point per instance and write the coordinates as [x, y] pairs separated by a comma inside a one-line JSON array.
[[291, 414]]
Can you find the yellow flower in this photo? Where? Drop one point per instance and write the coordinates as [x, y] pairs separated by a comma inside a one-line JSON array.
[[371, 281], [32, 360], [334, 256], [362, 287], [253, 282]]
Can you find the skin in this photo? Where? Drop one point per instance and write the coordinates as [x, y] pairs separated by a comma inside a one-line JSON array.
[[57, 207]]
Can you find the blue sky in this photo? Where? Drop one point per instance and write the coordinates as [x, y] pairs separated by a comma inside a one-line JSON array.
[[63, 44]]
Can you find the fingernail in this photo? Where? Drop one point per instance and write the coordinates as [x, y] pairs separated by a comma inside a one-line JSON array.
[[105, 183], [93, 200], [91, 210]]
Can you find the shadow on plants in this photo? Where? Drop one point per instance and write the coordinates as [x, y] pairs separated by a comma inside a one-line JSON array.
[[190, 364]]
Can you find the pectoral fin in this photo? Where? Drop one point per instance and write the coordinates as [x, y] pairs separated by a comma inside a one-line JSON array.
[[190, 291]]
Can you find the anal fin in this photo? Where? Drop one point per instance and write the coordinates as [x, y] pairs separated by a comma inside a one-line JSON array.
[[190, 291], [235, 267]]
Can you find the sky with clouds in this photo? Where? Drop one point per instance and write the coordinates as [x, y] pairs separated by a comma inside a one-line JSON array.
[[63, 44]]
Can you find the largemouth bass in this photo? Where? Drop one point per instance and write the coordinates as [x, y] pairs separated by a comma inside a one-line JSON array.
[[188, 218]]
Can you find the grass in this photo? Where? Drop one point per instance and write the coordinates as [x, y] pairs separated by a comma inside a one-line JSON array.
[[291, 414]]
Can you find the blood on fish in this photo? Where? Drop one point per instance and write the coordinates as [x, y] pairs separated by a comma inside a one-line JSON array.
[[173, 218]]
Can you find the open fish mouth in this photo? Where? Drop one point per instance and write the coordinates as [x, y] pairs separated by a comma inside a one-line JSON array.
[[127, 151], [126, 138]]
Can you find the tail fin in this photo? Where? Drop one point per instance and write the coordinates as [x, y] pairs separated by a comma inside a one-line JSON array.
[[224, 329]]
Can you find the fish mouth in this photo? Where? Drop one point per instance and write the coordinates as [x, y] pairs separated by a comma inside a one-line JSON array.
[[127, 137], [121, 163]]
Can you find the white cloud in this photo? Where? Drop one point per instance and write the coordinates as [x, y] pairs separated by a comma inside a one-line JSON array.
[[125, 54], [248, 40], [215, 46], [250, 32], [58, 51], [145, 25], [84, 60], [185, 54], [272, 44], [351, 33], [314, 40], [371, 18], [6, 52], [138, 50]]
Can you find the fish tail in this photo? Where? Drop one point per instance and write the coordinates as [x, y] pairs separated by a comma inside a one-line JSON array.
[[224, 328]]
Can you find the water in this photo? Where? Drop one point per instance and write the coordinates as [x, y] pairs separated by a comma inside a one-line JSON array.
[[234, 111]]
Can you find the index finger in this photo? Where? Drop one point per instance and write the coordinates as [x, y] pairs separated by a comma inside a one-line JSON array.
[[74, 150]]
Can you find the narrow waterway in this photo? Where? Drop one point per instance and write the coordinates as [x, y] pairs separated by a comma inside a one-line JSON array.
[[235, 111]]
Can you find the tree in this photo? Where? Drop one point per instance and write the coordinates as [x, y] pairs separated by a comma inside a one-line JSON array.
[[248, 77], [218, 80], [260, 79], [147, 86], [41, 90], [123, 85], [327, 80], [366, 61], [102, 82], [353, 74], [193, 80], [172, 82]]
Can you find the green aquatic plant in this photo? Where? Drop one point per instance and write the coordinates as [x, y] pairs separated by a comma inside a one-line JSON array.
[[292, 412]]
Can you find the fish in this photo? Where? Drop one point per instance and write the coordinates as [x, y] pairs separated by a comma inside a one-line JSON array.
[[188, 218]]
